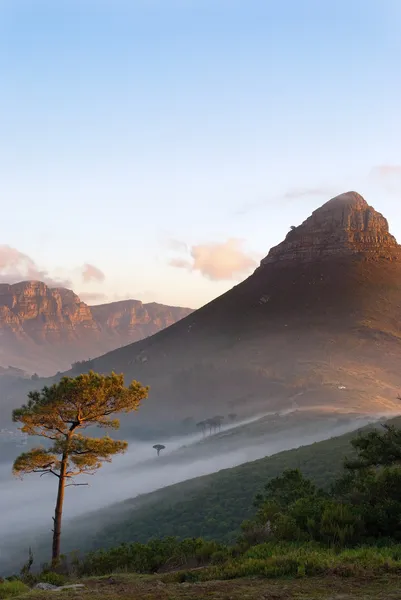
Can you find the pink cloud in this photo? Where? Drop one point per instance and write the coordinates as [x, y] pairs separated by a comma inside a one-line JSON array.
[[218, 261], [16, 266], [386, 171], [92, 273]]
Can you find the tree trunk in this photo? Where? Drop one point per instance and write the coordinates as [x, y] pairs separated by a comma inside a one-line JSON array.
[[59, 511]]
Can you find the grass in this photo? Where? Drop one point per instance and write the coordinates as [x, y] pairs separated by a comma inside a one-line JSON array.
[[270, 571], [272, 561]]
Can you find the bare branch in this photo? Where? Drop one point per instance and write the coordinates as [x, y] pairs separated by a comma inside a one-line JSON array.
[[75, 484], [41, 433], [71, 474], [44, 471], [53, 429]]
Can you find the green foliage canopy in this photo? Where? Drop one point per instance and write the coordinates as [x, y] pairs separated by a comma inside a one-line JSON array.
[[57, 412]]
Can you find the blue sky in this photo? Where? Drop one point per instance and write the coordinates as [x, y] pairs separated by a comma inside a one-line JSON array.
[[168, 144]]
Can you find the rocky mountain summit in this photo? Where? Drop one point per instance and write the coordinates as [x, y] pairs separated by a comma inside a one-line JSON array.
[[44, 328], [344, 226]]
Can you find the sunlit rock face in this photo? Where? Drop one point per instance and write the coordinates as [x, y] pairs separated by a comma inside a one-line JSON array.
[[343, 226], [45, 329]]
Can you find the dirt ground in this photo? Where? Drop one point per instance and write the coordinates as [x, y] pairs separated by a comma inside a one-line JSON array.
[[125, 587]]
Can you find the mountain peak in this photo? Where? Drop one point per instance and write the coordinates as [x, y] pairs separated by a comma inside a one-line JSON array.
[[348, 199], [345, 225]]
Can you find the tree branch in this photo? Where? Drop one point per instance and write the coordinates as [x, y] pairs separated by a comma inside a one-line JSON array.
[[44, 471], [80, 472], [49, 428], [75, 484], [37, 430]]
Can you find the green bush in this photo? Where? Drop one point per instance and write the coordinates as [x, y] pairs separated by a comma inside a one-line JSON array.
[[53, 578], [270, 561], [8, 589], [169, 553], [219, 557]]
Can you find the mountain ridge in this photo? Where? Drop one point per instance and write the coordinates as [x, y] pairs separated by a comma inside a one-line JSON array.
[[60, 328]]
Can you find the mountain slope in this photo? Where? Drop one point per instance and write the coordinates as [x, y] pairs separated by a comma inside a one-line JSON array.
[[211, 506], [45, 329], [318, 324]]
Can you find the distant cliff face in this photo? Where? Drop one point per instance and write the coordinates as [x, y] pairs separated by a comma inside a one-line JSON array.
[[131, 319], [31, 310], [40, 325]]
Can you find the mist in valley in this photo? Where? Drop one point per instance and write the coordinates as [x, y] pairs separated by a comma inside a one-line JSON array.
[[26, 506]]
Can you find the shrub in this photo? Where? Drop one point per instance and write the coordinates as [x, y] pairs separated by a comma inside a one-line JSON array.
[[8, 589], [53, 578], [163, 554], [219, 557], [275, 560]]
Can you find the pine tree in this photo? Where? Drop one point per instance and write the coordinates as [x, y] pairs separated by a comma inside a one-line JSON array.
[[60, 413]]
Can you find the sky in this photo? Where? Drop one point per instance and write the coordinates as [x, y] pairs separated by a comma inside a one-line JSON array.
[[157, 149]]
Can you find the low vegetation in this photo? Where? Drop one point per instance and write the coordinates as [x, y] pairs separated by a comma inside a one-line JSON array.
[[10, 589]]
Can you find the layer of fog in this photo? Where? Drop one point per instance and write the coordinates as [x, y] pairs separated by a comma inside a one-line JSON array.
[[28, 505]]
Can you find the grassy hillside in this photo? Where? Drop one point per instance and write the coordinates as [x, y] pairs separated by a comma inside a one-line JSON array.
[[212, 506]]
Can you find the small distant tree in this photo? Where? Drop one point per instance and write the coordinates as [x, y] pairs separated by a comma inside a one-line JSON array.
[[35, 377], [209, 423], [217, 422], [59, 413], [213, 424], [158, 448], [202, 426]]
